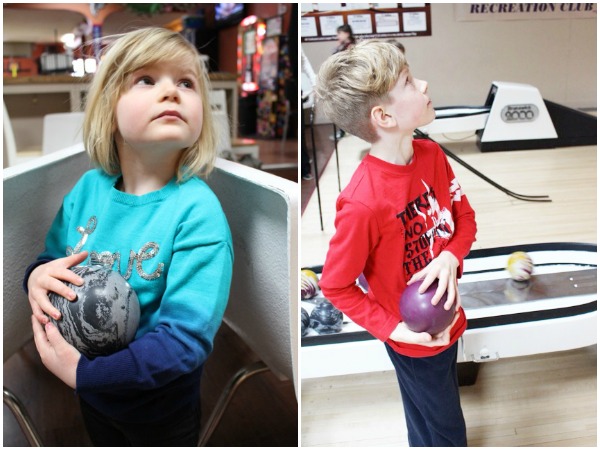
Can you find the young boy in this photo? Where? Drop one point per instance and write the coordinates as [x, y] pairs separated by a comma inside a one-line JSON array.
[[403, 217]]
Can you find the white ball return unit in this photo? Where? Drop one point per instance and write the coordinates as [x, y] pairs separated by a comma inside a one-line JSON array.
[[514, 117]]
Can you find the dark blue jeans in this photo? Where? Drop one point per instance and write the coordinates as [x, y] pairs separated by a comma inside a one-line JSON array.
[[181, 430], [429, 388]]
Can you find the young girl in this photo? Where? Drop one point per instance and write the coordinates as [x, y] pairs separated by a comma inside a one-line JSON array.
[[145, 214], [345, 38]]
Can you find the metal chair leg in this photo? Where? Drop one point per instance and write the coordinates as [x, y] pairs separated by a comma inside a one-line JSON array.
[[23, 418], [234, 383]]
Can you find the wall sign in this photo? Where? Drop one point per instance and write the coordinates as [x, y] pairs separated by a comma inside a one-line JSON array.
[[319, 21], [524, 11]]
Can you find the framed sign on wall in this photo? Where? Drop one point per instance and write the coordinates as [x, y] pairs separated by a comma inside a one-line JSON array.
[[319, 21]]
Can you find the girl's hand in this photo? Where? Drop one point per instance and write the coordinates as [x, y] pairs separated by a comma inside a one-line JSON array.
[[442, 268], [403, 334], [59, 357], [49, 277]]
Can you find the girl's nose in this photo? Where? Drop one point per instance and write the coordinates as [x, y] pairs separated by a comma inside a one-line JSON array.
[[423, 86], [169, 90]]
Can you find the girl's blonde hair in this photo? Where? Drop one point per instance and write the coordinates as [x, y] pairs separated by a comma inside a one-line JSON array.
[[350, 83], [131, 52]]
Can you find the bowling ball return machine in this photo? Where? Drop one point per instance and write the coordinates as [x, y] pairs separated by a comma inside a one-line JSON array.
[[555, 311], [514, 117]]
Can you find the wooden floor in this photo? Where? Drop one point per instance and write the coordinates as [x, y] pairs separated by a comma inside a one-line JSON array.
[[540, 400], [263, 413]]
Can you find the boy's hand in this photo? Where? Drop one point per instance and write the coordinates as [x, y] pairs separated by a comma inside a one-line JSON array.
[[59, 357], [49, 277], [442, 268], [403, 334]]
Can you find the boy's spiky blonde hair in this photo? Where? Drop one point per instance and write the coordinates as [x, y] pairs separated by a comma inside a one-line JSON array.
[[350, 83], [129, 53]]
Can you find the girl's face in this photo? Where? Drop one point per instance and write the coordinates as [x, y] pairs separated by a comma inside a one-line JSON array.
[[343, 36], [160, 108]]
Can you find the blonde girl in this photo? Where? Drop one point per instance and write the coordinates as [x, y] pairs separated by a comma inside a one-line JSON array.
[[146, 213]]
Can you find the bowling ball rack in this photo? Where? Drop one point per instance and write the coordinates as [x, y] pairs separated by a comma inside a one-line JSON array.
[[503, 316]]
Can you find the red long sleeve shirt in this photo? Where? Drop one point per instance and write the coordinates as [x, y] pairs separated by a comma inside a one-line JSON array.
[[391, 221]]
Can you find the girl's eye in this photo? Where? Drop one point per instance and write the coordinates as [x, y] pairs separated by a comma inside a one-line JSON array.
[[145, 80], [189, 84]]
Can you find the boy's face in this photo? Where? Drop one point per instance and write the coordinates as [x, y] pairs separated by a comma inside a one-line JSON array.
[[409, 103], [161, 108]]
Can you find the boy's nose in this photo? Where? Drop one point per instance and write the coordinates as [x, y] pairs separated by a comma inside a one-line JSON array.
[[424, 86]]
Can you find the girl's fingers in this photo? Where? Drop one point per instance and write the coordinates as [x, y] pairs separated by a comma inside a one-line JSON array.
[[76, 258], [53, 336], [39, 298], [58, 287], [71, 277], [38, 313], [39, 336]]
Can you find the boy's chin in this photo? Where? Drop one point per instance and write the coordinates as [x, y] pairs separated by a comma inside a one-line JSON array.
[[430, 117], [427, 122]]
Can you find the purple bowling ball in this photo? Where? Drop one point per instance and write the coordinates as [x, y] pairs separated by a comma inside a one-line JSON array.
[[420, 315], [362, 282]]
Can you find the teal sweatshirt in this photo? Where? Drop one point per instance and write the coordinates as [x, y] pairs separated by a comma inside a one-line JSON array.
[[174, 248]]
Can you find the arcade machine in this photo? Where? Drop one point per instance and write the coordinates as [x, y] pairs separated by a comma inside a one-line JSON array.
[[251, 34], [275, 69], [263, 67]]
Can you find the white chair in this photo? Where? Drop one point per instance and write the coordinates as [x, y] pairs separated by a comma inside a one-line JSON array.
[[62, 130], [11, 156], [10, 145], [262, 210], [33, 192]]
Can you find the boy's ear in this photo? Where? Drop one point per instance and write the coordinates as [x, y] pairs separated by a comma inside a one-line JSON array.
[[380, 118]]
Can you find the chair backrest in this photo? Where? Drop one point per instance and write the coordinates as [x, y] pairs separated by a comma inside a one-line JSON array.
[[262, 210], [33, 193], [62, 130], [10, 144]]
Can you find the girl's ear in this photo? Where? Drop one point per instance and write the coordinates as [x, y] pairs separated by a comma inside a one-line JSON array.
[[379, 118]]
